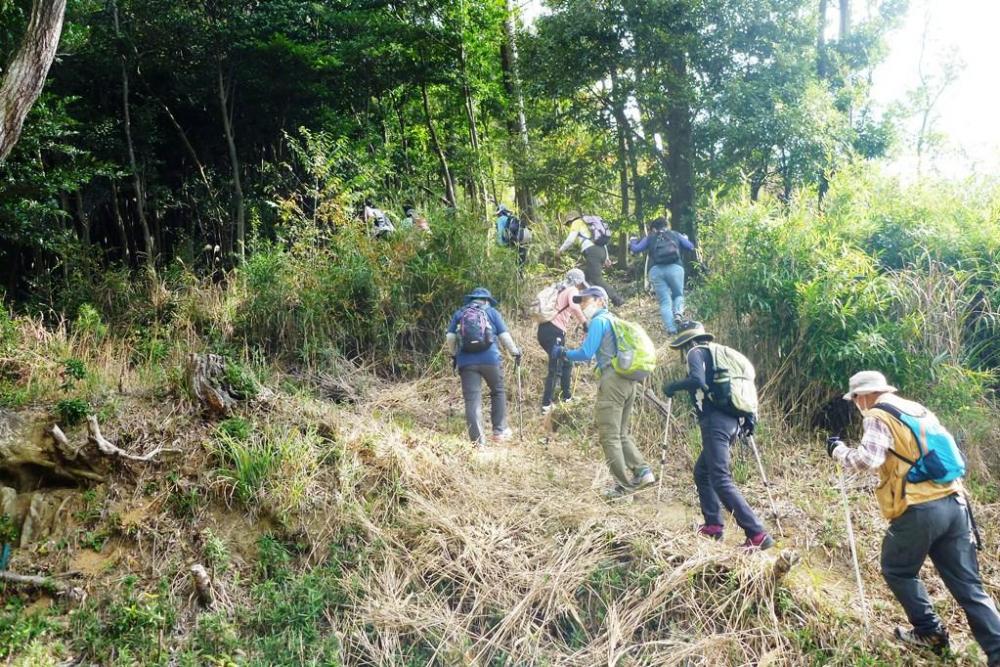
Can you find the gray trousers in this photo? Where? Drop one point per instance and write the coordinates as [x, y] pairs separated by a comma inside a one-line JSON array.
[[714, 479], [472, 392], [939, 529]]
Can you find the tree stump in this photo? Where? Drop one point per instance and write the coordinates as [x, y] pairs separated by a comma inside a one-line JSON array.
[[206, 377]]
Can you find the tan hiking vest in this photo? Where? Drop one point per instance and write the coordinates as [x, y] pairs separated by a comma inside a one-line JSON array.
[[894, 493]]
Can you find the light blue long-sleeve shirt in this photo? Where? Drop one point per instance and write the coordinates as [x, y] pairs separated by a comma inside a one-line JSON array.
[[600, 341]]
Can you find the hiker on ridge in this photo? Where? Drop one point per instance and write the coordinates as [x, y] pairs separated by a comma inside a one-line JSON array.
[[719, 430], [592, 233], [666, 270], [512, 232], [553, 331], [615, 395], [927, 511], [380, 224], [472, 339]]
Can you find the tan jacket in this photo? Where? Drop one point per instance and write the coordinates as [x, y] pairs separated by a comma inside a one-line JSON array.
[[894, 493]]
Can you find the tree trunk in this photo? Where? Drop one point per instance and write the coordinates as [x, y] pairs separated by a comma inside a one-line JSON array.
[[27, 70], [84, 218], [519, 123], [449, 184], [140, 197], [680, 146], [621, 123], [478, 181], [227, 126], [821, 57], [120, 222], [845, 19]]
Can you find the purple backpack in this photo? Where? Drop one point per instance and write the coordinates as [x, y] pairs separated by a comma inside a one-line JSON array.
[[475, 332]]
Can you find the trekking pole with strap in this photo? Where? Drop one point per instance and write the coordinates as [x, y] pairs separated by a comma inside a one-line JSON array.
[[767, 483], [854, 548], [664, 409]]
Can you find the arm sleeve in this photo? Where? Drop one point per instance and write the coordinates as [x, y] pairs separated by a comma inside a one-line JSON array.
[[497, 320], [595, 334], [696, 373], [508, 344], [570, 239], [453, 327], [639, 245], [684, 241], [871, 453], [451, 343]]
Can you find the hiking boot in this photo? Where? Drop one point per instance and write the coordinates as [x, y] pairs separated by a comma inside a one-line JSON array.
[[546, 409], [758, 542], [936, 642], [617, 491], [711, 530], [503, 435], [643, 478]]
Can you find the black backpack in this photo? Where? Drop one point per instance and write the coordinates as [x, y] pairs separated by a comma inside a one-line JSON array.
[[664, 248], [515, 232]]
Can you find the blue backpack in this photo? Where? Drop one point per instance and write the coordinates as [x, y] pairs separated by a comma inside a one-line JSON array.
[[475, 333], [940, 459]]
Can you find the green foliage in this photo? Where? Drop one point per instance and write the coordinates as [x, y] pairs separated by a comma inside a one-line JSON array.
[[126, 628], [830, 294], [88, 323], [274, 468], [237, 428], [240, 380], [18, 628], [72, 411], [8, 530]]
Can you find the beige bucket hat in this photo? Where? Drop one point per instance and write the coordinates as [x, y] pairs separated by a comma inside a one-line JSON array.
[[868, 382]]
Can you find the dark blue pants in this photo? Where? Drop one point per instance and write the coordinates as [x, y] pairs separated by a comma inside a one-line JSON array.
[[939, 529], [713, 477], [548, 335]]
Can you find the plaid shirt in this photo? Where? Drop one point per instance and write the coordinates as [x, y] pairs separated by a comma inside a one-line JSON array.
[[870, 454]]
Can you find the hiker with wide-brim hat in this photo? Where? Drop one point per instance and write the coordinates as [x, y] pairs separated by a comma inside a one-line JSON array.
[[595, 256], [474, 335], [616, 395], [552, 332], [719, 430], [663, 248], [927, 515]]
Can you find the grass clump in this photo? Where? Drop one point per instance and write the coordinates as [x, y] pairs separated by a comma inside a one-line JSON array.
[[274, 469]]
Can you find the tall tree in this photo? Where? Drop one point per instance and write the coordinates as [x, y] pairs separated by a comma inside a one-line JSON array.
[[519, 123], [26, 72]]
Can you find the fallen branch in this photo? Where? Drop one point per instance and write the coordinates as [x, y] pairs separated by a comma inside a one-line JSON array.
[[110, 449], [44, 583]]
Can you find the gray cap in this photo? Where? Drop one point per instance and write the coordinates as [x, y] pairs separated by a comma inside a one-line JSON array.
[[576, 277]]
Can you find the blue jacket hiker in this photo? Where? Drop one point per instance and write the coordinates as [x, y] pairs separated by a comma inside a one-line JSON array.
[[615, 396], [476, 331], [663, 248]]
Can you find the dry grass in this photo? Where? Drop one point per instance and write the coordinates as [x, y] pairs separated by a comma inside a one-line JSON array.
[[508, 556]]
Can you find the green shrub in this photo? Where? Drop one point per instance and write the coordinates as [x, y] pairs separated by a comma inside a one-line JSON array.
[[72, 411], [238, 428], [18, 628], [88, 323]]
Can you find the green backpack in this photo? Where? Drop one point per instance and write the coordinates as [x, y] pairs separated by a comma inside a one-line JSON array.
[[636, 356], [733, 388]]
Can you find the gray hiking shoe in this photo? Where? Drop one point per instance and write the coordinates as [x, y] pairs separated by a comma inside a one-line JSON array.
[[643, 478], [936, 642], [617, 491]]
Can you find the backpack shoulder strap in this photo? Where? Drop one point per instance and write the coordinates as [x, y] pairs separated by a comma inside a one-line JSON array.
[[897, 414]]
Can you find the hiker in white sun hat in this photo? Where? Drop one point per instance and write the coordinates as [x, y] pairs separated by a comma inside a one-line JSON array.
[[920, 492], [867, 382]]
